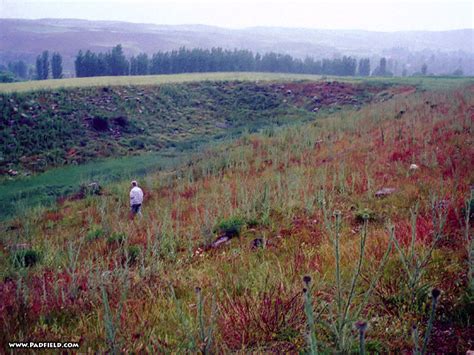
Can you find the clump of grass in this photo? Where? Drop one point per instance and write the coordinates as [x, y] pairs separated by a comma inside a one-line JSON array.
[[94, 233], [25, 258], [249, 321], [230, 227], [133, 253], [116, 238], [365, 214]]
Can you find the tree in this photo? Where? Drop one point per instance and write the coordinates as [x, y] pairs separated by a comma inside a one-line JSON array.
[[424, 69], [45, 64], [79, 65], [381, 70], [39, 68], [56, 66], [18, 68], [42, 66], [117, 63], [364, 67]]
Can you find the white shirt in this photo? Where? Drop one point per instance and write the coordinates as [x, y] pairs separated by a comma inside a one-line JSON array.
[[136, 196]]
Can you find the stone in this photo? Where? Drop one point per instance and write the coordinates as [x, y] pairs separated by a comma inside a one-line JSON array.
[[221, 240], [386, 191], [257, 243]]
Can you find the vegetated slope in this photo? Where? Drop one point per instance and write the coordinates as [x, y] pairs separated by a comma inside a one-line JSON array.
[[53, 128], [286, 198]]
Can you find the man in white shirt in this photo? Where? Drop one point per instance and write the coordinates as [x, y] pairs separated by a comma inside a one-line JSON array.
[[136, 199]]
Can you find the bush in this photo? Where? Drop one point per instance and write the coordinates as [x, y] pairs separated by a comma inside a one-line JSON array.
[[121, 121], [230, 227], [116, 238], [25, 258], [133, 254], [365, 213], [100, 123], [94, 233]]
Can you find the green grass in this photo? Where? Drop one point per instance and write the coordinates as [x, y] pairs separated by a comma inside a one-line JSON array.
[[43, 189], [425, 82], [148, 80]]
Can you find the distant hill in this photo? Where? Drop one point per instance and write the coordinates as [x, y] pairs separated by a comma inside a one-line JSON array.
[[444, 51]]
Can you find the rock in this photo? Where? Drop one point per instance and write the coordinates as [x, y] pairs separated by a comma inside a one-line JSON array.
[[20, 246], [386, 191], [222, 125], [414, 167], [221, 240], [12, 172], [257, 243], [400, 114]]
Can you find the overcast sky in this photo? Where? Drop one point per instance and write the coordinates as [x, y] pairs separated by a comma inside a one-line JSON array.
[[381, 15]]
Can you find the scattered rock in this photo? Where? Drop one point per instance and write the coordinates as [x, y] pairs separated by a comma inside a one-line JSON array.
[[414, 167], [222, 125], [20, 246], [12, 172], [400, 114], [257, 243], [386, 191], [221, 240]]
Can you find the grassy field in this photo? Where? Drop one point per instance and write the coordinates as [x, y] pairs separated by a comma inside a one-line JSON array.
[[320, 236], [148, 80], [424, 82], [72, 127]]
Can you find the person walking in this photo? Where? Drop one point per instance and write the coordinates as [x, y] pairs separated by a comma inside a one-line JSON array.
[[136, 200]]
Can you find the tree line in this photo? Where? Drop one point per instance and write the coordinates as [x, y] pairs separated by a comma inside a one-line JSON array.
[[114, 62], [43, 66]]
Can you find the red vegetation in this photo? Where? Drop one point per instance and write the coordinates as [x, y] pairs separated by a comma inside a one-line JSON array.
[[273, 316]]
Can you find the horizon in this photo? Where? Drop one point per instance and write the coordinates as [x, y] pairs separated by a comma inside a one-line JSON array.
[[381, 16], [232, 28]]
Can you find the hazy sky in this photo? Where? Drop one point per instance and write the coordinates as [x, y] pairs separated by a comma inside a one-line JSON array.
[[382, 15]]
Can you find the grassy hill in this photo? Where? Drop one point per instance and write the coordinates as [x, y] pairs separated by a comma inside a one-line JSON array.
[[146, 125], [239, 246]]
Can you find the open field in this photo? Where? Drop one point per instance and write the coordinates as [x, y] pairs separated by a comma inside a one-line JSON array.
[[424, 82], [217, 262], [148, 80]]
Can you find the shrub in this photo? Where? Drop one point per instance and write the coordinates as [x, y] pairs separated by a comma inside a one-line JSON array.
[[133, 254], [230, 227], [121, 121], [25, 258], [100, 123], [95, 233], [116, 238], [365, 214]]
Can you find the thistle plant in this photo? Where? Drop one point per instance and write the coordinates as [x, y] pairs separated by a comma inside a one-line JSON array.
[[205, 333], [308, 310], [344, 313], [361, 327], [414, 262], [435, 294]]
